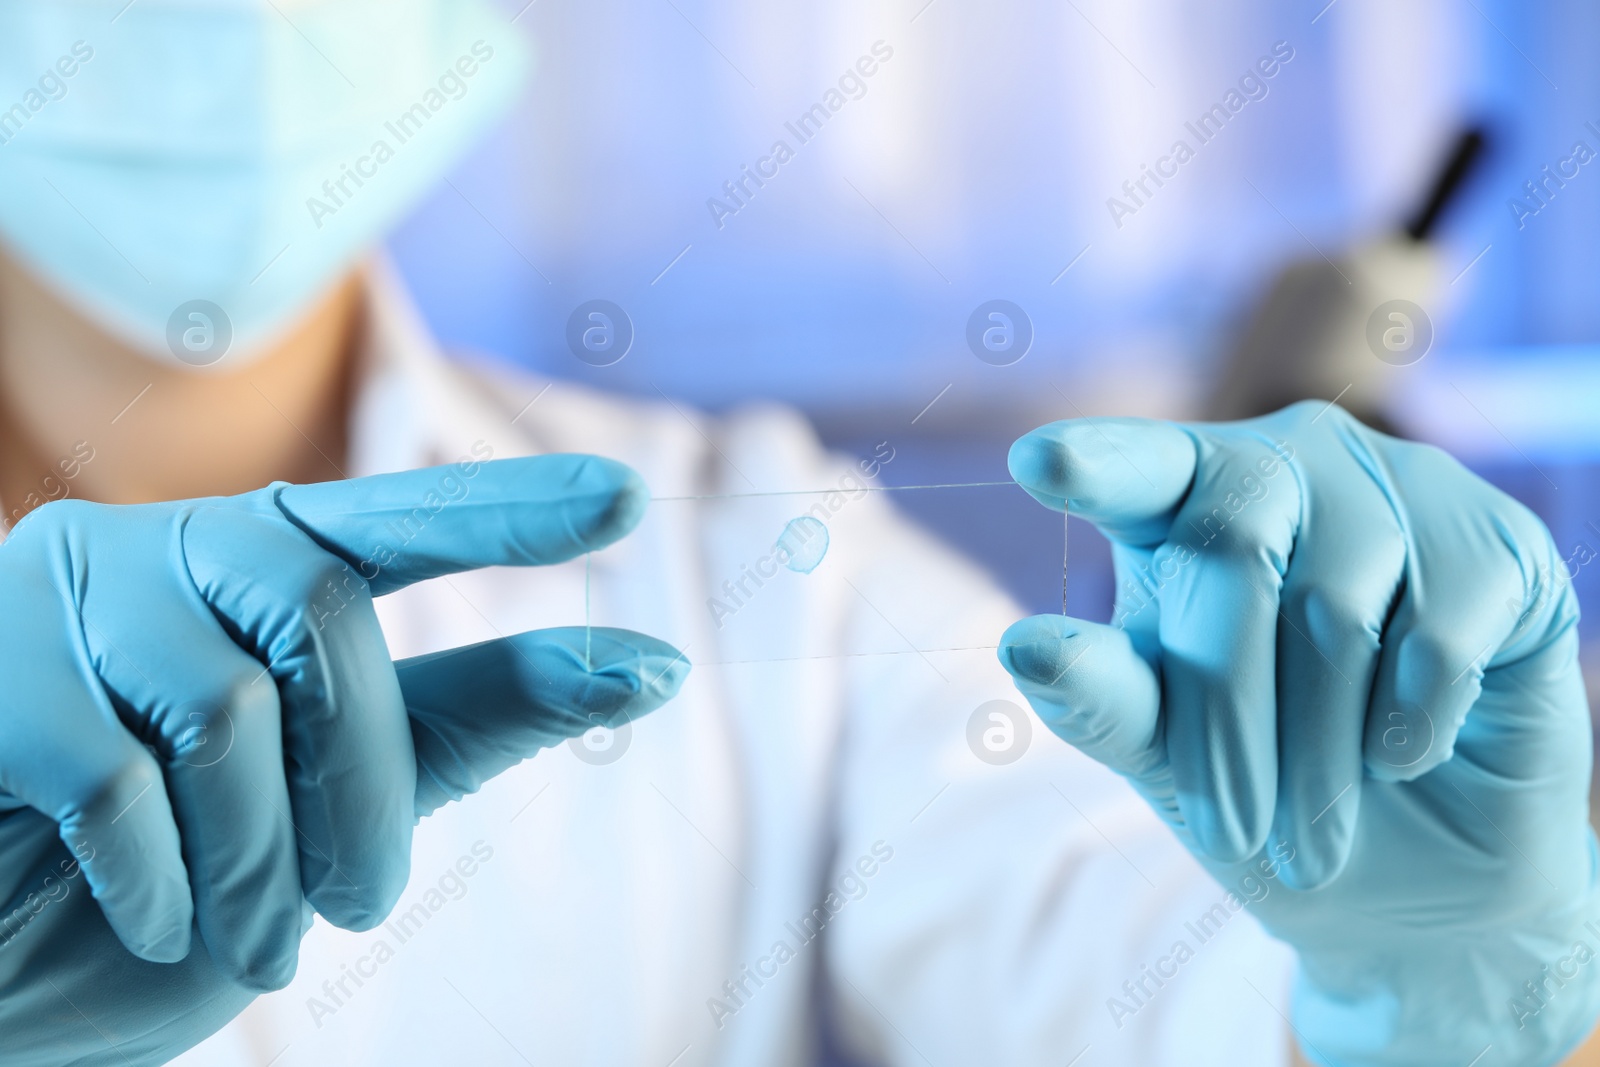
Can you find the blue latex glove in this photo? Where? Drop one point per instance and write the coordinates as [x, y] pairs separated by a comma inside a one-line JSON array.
[[200, 725], [1342, 662]]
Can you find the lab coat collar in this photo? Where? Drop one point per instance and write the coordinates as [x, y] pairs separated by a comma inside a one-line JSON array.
[[413, 407]]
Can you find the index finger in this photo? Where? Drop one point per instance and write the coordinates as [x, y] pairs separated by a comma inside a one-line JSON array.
[[396, 529], [1127, 476]]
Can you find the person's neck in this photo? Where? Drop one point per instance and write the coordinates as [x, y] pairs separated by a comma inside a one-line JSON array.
[[82, 415]]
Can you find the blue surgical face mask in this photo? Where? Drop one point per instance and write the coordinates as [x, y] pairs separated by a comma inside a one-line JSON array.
[[194, 174]]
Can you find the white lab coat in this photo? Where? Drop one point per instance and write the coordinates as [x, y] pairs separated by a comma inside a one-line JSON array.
[[1005, 906]]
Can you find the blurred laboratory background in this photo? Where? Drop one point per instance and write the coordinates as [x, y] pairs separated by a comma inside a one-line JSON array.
[[1340, 160]]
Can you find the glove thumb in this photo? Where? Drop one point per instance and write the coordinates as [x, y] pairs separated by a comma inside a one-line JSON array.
[[1092, 689], [478, 710]]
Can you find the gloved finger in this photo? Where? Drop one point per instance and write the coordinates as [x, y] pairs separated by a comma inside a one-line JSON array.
[[1090, 686], [1136, 607], [1530, 719], [1529, 727], [1342, 580], [478, 710], [347, 744], [395, 529], [1220, 574], [1452, 617], [1127, 476], [67, 755], [211, 715], [221, 738]]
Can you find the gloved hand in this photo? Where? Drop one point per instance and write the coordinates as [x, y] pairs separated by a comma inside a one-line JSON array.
[[200, 725], [1341, 661]]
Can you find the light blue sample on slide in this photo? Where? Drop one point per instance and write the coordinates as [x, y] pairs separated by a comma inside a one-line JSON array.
[[803, 543]]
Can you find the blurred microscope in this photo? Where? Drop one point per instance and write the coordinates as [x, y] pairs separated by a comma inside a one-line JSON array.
[[1346, 328]]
